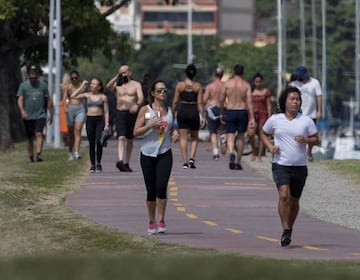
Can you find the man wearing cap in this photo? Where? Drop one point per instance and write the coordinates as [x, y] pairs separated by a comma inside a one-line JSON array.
[[33, 102], [311, 96]]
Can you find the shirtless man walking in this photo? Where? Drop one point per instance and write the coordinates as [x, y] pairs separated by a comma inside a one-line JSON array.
[[129, 97], [211, 99], [239, 109]]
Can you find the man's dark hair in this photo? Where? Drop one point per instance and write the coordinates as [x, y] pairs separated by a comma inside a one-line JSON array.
[[238, 70], [284, 95]]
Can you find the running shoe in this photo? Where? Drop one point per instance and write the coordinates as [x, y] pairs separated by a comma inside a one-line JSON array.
[[31, 159], [238, 166], [77, 155], [127, 167], [161, 227], [192, 163], [232, 161], [98, 168], [38, 158], [185, 166], [152, 228], [71, 156], [286, 238], [92, 169], [216, 157]]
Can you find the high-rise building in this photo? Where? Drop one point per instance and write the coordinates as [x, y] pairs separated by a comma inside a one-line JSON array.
[[229, 20]]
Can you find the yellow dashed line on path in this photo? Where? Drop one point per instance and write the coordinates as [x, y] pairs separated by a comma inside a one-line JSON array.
[[178, 204], [210, 223], [173, 193], [245, 184], [312, 248], [180, 209], [172, 183], [174, 199], [233, 230], [192, 216], [355, 254], [267, 238]]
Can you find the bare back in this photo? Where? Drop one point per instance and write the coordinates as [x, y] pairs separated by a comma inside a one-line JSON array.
[[237, 93], [213, 93]]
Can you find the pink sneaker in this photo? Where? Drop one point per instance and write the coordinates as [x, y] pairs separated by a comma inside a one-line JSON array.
[[152, 228], [162, 227]]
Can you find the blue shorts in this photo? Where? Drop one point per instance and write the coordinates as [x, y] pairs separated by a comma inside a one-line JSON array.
[[292, 176], [236, 120]]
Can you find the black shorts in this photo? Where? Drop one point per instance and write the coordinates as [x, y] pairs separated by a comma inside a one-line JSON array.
[[188, 117], [34, 126], [292, 176], [125, 123]]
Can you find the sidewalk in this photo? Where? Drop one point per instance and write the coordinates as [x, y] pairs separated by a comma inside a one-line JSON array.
[[210, 207]]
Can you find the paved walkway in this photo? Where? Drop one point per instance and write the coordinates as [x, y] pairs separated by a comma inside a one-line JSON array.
[[210, 207]]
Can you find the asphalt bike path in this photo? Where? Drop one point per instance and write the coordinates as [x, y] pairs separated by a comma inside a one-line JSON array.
[[209, 207]]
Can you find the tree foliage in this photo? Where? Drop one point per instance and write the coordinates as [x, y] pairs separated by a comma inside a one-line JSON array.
[[24, 40]]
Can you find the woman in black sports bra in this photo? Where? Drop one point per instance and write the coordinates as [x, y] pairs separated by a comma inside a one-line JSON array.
[[189, 111]]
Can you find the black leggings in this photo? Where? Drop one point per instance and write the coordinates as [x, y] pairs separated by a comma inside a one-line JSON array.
[[94, 127], [156, 172]]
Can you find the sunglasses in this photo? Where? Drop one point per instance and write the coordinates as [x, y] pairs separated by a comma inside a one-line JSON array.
[[159, 90], [74, 78]]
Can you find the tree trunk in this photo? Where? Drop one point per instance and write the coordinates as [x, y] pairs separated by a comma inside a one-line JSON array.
[[11, 126]]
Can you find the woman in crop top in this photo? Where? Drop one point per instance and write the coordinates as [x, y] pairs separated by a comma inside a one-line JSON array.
[[189, 111], [262, 111], [75, 115], [97, 119], [155, 123]]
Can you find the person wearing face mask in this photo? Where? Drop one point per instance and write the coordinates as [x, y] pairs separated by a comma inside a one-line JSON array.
[[129, 98], [33, 101]]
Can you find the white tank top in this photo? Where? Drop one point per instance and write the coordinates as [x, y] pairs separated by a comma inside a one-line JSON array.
[[158, 139]]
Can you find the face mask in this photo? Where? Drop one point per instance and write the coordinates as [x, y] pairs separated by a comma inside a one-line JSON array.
[[122, 80]]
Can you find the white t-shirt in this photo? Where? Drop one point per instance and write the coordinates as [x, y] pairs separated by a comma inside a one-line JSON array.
[[309, 93], [291, 152]]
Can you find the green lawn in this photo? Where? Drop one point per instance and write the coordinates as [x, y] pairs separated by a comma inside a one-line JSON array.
[[42, 239]]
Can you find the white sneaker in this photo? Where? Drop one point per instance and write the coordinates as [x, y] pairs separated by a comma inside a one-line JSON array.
[[152, 229], [77, 155], [71, 156], [161, 227]]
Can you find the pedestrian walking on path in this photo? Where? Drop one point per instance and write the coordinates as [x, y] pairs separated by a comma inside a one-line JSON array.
[[155, 123], [292, 131], [311, 95], [262, 110], [211, 99], [188, 108], [75, 115], [130, 97], [239, 108], [34, 102], [97, 119]]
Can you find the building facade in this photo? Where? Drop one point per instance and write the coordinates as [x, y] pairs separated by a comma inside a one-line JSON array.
[[229, 20]]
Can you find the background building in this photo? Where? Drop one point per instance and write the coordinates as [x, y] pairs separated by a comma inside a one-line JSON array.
[[229, 20]]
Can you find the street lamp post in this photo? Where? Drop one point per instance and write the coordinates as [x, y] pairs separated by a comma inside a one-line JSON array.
[[190, 46], [58, 64]]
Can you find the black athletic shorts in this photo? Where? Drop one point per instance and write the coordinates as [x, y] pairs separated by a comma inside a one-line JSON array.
[[292, 176]]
